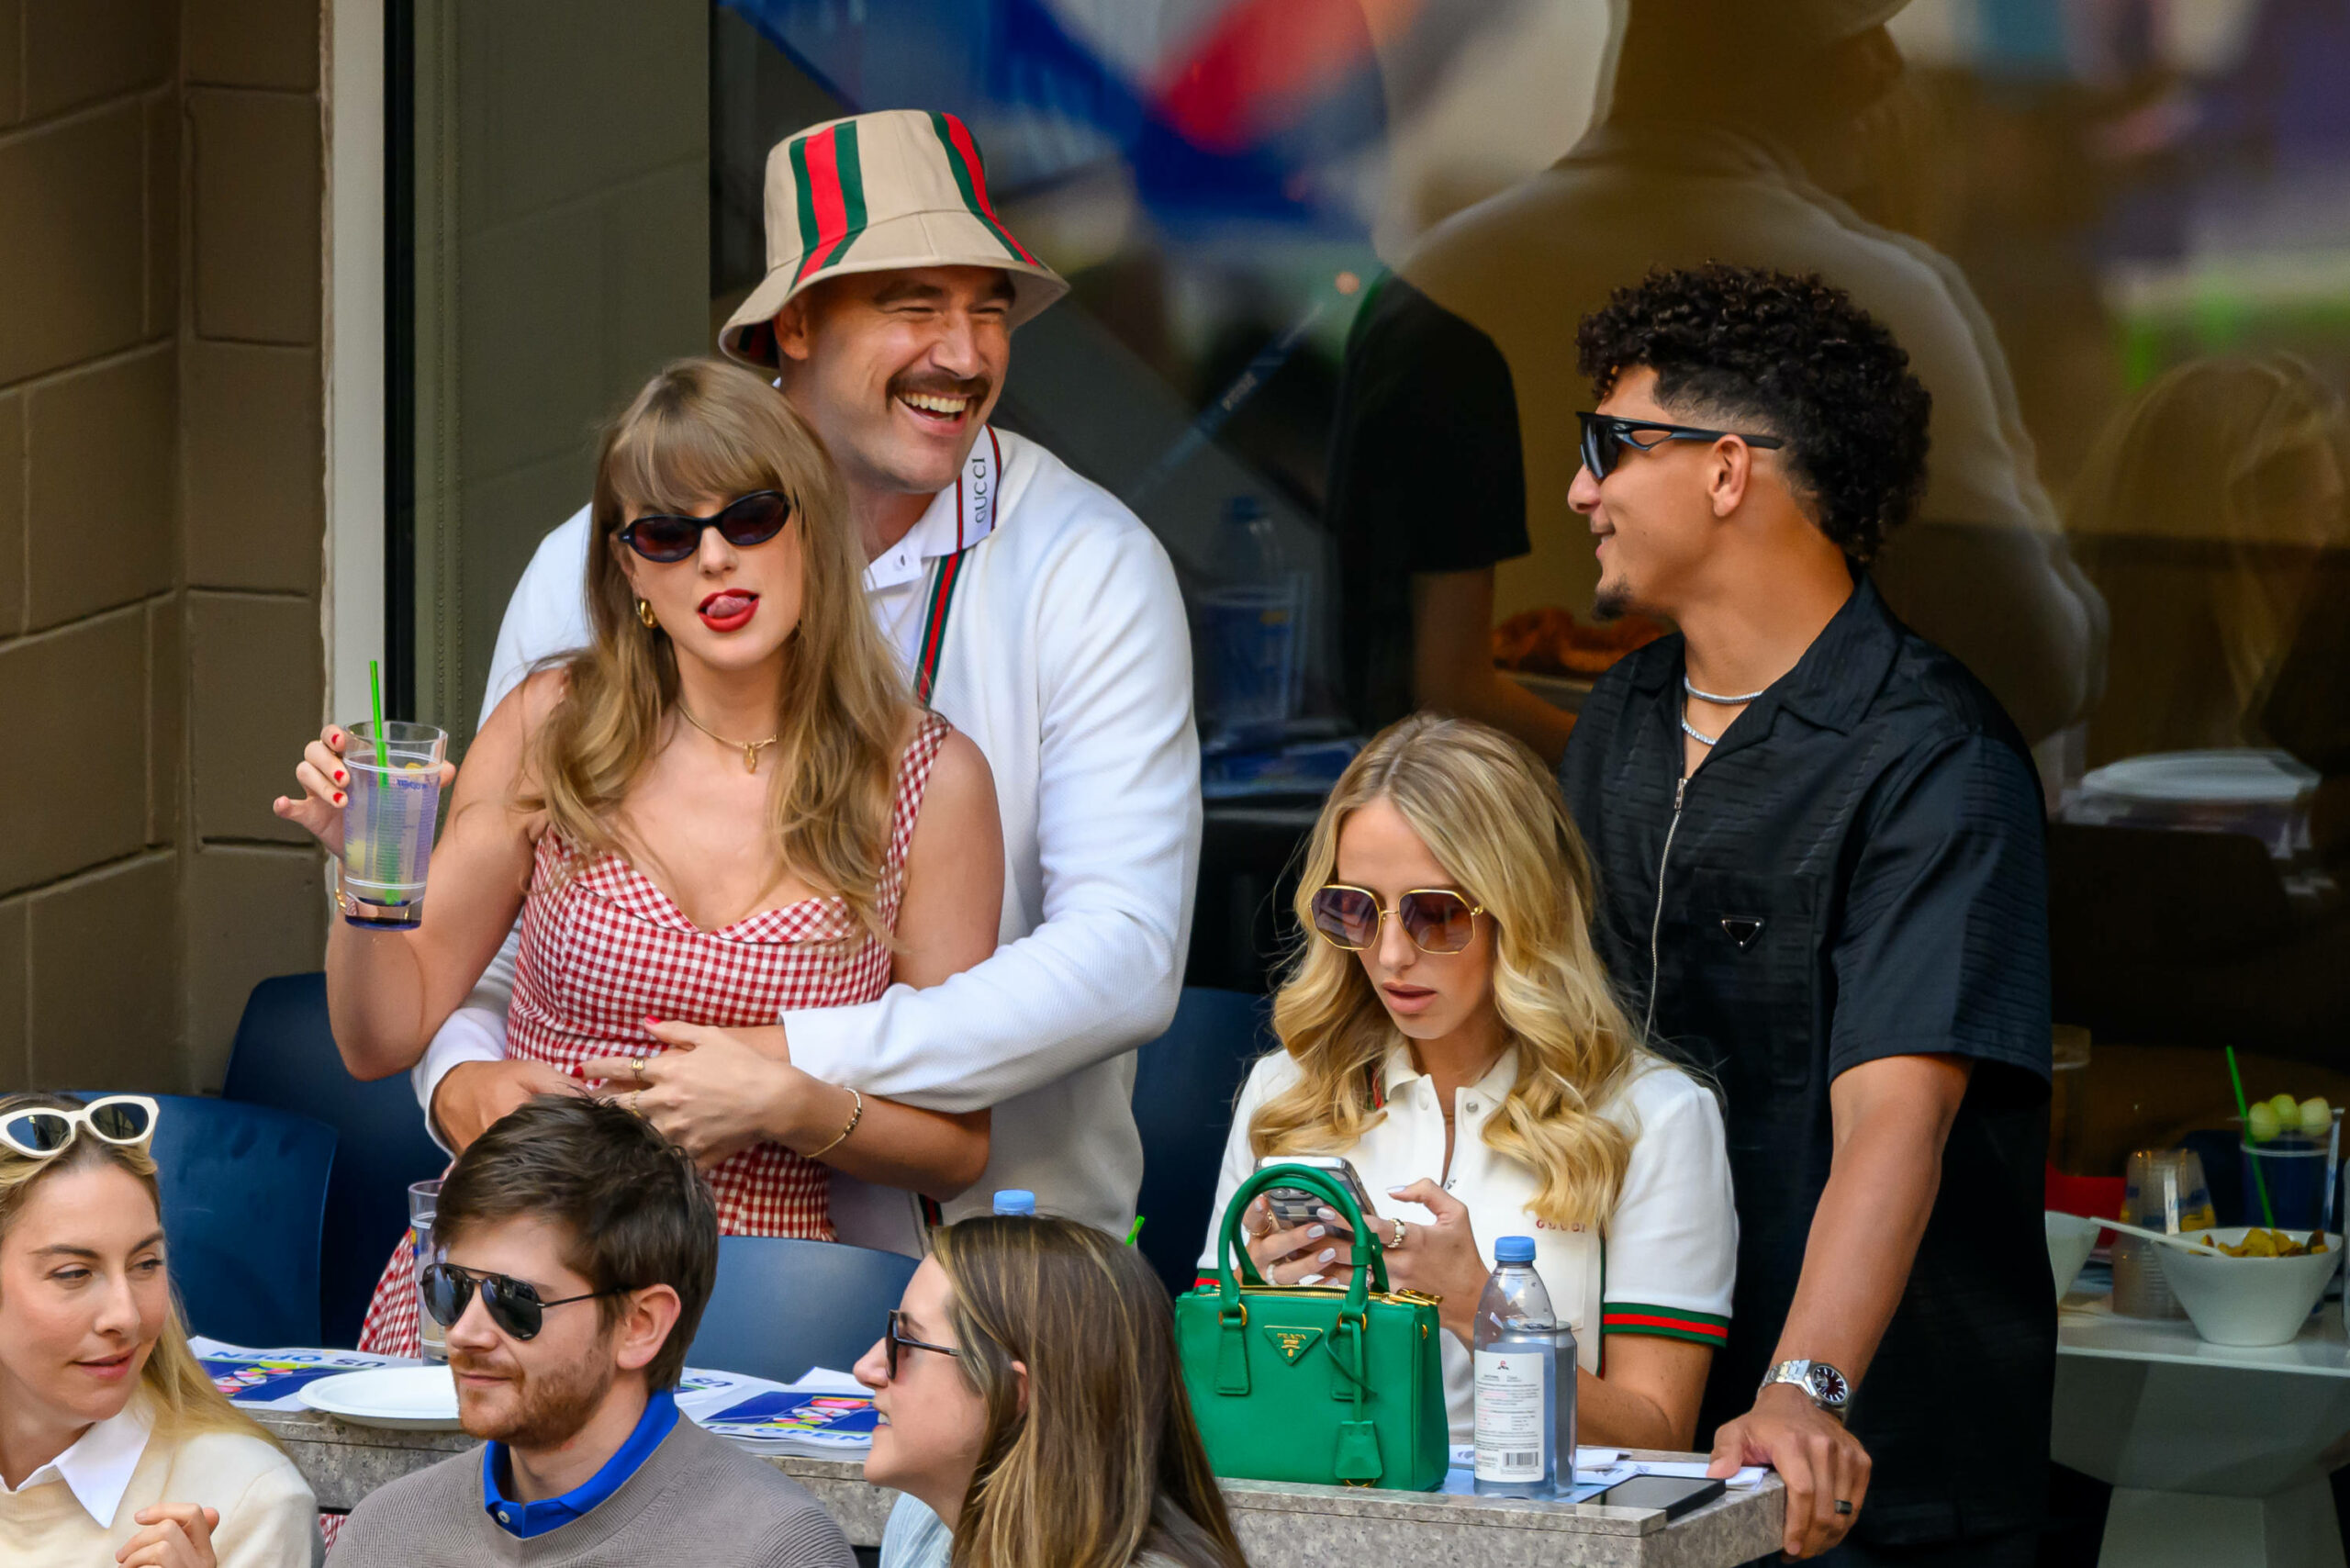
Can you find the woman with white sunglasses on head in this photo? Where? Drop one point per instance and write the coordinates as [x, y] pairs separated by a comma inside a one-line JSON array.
[[115, 1446], [1448, 1028]]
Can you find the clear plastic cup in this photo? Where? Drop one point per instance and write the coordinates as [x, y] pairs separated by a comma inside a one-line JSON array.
[[423, 1200], [388, 813], [2164, 1191]]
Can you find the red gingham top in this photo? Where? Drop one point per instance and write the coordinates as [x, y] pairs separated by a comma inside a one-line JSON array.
[[605, 948]]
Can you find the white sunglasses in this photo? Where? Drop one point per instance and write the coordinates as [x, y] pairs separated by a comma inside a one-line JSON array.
[[40, 1132]]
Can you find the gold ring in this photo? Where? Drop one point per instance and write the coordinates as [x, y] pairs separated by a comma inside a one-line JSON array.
[[636, 1066], [636, 1102], [1396, 1243]]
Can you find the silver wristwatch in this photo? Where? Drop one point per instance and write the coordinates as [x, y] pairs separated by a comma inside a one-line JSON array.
[[1828, 1388]]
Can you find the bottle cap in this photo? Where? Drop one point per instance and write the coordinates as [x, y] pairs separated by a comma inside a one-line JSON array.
[[1016, 1201], [1514, 1250]]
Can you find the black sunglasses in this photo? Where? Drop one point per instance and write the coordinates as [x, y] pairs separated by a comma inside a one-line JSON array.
[[513, 1305], [667, 536], [896, 1338], [1604, 437]]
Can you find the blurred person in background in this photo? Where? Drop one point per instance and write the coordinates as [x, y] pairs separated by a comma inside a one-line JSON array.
[[1725, 132], [1032, 1410], [2202, 516], [115, 1445]]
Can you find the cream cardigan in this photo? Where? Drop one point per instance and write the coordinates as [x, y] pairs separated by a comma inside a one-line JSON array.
[[268, 1517]]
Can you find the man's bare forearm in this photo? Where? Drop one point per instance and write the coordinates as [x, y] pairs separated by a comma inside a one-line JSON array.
[[1882, 1182]]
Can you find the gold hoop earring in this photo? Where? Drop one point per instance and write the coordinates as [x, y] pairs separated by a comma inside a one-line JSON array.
[[644, 613]]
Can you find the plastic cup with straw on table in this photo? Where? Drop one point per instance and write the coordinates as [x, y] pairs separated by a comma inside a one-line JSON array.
[[388, 813]]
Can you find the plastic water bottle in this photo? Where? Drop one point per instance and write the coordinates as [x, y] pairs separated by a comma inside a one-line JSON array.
[[1016, 1201], [1525, 1382], [1253, 635]]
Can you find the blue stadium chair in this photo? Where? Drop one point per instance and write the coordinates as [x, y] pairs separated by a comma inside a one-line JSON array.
[[781, 1306], [244, 1197], [1185, 1084], [284, 1057]]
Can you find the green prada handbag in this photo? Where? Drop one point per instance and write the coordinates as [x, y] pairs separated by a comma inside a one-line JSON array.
[[1325, 1386]]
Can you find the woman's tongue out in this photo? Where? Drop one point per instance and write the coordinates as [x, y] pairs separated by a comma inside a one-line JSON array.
[[729, 610]]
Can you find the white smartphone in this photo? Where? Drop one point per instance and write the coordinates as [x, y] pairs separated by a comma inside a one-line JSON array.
[[1293, 1206]]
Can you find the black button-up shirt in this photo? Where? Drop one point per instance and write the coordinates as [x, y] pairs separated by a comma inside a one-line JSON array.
[[1856, 871]]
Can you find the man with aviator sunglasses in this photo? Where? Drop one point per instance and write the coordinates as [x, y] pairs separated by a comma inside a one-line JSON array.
[[1822, 858], [577, 1248], [1029, 607]]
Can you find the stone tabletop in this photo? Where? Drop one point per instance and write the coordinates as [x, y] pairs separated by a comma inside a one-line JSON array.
[[1280, 1526]]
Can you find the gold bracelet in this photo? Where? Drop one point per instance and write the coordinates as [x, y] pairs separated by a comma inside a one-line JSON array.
[[854, 1117]]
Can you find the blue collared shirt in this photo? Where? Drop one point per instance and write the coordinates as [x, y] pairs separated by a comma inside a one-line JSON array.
[[528, 1519]]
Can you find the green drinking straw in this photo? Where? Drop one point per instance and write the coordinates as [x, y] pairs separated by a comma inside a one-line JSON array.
[[1134, 1231], [2258, 1182], [375, 700]]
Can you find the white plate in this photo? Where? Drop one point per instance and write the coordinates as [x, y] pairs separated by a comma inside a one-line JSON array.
[[405, 1399], [2220, 776]]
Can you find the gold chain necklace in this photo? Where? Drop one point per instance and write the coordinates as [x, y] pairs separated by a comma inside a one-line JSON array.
[[751, 749]]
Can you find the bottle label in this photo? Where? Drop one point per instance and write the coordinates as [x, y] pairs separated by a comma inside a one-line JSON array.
[[1511, 1432]]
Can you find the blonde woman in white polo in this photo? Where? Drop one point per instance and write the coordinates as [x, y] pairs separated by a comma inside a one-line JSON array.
[[1447, 1027]]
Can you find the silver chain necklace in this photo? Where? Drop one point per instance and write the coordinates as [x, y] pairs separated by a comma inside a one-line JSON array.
[[1718, 700], [1715, 699]]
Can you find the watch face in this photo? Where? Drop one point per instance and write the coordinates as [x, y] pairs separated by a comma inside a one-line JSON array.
[[1828, 1385]]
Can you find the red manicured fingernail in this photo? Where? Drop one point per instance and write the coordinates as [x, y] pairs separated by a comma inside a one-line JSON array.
[[338, 776], [338, 796]]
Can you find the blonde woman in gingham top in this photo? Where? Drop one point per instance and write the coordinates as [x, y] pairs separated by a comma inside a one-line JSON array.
[[726, 805]]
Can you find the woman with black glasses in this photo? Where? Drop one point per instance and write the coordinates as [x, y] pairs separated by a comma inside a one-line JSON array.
[[727, 806], [1032, 1410], [1446, 1026]]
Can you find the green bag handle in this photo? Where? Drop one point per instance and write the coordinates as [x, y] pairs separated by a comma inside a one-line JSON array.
[[1370, 1257]]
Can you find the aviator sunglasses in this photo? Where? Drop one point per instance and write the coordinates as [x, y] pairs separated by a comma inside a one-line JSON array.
[[42, 1131], [513, 1305], [667, 537], [1437, 920], [1604, 437]]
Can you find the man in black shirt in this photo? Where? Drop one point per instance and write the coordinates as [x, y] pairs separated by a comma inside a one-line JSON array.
[[1821, 855]]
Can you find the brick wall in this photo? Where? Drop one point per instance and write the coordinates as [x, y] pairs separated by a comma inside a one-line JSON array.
[[161, 518]]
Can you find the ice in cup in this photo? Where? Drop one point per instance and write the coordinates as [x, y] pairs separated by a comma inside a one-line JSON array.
[[388, 817], [423, 1202]]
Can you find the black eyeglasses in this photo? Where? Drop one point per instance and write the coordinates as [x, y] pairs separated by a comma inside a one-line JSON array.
[[1437, 920], [668, 536], [513, 1305], [1604, 437], [894, 1339]]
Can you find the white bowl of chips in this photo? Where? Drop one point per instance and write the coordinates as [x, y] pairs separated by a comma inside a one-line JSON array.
[[2248, 1300]]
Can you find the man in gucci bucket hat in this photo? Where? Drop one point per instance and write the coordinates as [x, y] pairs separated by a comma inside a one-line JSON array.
[[1031, 608]]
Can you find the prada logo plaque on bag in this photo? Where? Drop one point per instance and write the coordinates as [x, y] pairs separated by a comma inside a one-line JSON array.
[[1328, 1386]]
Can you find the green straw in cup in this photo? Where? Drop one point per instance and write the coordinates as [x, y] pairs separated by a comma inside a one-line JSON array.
[[375, 700], [2258, 1182]]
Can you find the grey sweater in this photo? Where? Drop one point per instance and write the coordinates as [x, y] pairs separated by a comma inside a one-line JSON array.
[[697, 1499]]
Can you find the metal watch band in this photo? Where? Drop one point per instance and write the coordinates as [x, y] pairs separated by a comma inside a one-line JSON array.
[[1823, 1385]]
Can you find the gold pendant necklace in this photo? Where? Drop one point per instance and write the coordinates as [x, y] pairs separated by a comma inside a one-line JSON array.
[[751, 749]]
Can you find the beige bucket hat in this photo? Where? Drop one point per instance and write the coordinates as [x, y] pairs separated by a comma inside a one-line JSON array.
[[873, 192]]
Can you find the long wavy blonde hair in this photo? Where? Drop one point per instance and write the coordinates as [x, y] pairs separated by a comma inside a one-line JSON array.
[[179, 1391], [1102, 1464], [702, 428], [1493, 816]]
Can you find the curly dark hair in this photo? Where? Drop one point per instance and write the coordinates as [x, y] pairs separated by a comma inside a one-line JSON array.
[[1784, 355]]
